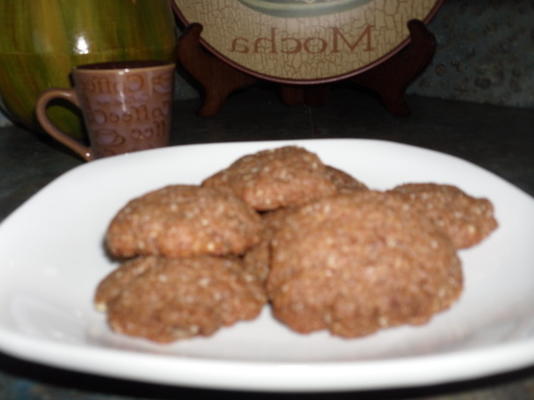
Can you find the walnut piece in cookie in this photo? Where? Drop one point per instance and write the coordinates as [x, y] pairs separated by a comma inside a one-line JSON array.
[[356, 263], [164, 300], [280, 177], [183, 221], [466, 219]]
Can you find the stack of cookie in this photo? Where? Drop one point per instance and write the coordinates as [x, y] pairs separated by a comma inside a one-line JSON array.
[[182, 276], [279, 226]]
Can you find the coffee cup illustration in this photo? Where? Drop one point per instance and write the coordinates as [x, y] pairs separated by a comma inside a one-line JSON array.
[[302, 8]]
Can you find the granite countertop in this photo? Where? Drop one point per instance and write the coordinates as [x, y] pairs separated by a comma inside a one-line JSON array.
[[496, 138]]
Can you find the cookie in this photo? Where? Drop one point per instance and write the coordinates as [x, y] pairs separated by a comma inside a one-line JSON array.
[[271, 179], [356, 263], [466, 219], [164, 299], [183, 221]]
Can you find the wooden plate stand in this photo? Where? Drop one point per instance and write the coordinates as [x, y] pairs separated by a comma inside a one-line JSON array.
[[389, 79]]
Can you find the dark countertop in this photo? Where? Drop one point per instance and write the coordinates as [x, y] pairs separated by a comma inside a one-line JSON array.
[[498, 139]]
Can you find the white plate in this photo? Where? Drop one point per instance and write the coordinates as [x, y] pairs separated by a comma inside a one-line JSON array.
[[52, 258]]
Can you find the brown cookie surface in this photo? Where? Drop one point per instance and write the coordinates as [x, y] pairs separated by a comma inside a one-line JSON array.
[[257, 259], [466, 219], [164, 299], [344, 182], [114, 283], [353, 264], [270, 179], [183, 221]]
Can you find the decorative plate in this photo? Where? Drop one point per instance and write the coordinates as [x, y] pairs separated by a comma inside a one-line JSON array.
[[304, 41]]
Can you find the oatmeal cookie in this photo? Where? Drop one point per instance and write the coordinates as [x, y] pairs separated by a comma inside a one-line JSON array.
[[466, 219], [168, 299], [270, 179], [355, 263], [183, 221]]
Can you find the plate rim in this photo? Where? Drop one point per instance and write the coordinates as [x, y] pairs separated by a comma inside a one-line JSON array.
[[341, 375]]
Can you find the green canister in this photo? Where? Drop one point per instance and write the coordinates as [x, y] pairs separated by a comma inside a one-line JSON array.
[[42, 40]]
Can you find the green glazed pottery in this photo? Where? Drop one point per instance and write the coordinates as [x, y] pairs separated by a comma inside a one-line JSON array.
[[42, 40]]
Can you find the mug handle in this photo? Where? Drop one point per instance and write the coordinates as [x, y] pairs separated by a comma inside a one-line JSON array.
[[40, 110]]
